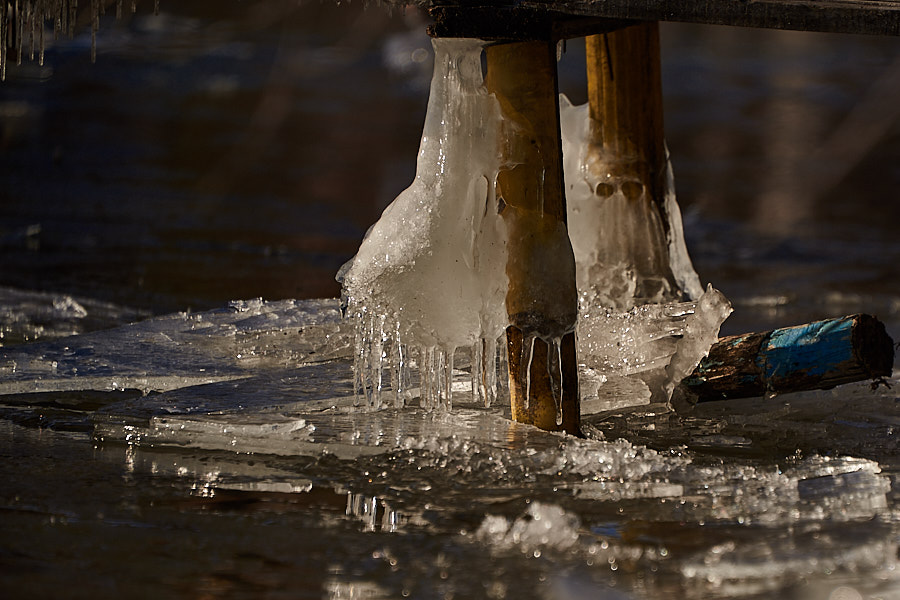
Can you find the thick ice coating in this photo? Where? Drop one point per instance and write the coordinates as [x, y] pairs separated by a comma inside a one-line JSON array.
[[627, 252], [430, 275], [643, 313]]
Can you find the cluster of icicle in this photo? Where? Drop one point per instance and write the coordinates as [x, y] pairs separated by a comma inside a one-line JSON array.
[[430, 277], [23, 24]]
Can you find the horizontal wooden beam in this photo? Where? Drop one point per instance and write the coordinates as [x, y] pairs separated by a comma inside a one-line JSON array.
[[514, 23], [558, 19]]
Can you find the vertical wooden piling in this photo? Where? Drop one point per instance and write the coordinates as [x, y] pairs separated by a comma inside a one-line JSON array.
[[625, 98], [627, 150], [542, 298]]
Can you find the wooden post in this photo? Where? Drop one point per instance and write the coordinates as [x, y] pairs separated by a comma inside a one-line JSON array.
[[542, 298], [627, 151], [625, 97]]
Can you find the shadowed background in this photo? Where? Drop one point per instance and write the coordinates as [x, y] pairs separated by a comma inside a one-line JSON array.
[[233, 150]]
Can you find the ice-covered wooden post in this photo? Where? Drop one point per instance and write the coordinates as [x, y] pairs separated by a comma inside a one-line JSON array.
[[627, 150], [625, 97], [542, 299]]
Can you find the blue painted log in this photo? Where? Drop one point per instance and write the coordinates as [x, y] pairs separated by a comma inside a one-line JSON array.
[[817, 355]]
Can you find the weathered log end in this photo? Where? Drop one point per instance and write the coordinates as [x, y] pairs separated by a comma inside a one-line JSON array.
[[873, 346], [818, 355]]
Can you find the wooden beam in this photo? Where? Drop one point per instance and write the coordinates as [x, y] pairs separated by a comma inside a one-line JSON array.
[[526, 18], [817, 355], [542, 299], [515, 23]]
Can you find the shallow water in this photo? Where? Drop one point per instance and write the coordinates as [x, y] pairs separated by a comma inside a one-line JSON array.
[[211, 155]]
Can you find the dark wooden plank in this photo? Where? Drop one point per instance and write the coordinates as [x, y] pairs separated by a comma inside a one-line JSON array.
[[817, 355], [540, 19]]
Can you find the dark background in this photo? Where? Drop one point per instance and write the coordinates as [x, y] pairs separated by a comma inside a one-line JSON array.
[[233, 150]]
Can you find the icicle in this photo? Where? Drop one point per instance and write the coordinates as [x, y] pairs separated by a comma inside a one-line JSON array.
[[119, 9], [95, 26], [42, 18], [490, 369], [397, 366], [59, 20], [431, 376], [448, 379], [3, 29], [30, 18], [358, 360], [72, 18], [439, 379], [557, 343], [554, 351], [478, 372], [19, 23], [426, 375], [528, 372], [405, 373], [378, 363]]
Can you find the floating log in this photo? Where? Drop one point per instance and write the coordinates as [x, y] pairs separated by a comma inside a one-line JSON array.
[[817, 355]]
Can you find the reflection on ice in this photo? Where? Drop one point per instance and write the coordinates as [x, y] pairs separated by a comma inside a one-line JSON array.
[[376, 515]]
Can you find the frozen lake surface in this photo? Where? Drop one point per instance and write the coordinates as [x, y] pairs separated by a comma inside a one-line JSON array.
[[159, 438], [223, 452]]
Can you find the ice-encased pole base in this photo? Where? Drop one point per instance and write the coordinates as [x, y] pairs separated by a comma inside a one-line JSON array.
[[542, 299]]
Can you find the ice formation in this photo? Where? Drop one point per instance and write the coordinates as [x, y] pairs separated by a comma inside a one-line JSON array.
[[648, 349], [541, 527], [22, 26], [432, 274], [643, 313], [27, 316], [242, 338], [627, 253]]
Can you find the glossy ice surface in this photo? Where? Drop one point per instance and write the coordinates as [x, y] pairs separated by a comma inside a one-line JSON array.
[[230, 151]]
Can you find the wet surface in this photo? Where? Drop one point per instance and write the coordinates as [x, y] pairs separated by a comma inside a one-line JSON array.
[[235, 151]]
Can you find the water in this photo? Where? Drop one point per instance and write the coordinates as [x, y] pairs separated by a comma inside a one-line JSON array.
[[214, 451]]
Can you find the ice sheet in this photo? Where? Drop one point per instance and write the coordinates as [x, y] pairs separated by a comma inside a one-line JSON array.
[[173, 351], [729, 500], [26, 316]]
